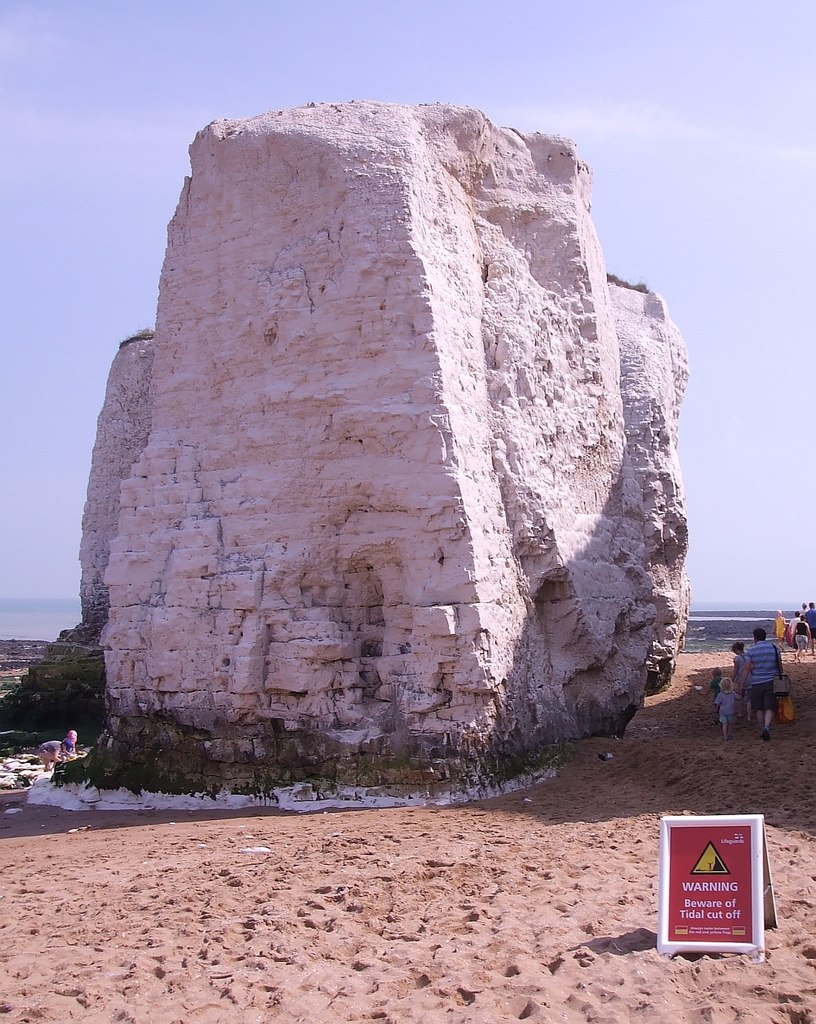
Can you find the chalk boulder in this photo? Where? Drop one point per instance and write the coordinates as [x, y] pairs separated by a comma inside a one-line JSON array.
[[406, 507]]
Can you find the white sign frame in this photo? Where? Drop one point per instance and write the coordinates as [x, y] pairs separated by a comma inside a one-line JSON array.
[[760, 879]]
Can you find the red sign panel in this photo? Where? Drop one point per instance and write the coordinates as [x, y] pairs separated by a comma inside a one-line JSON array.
[[710, 884]]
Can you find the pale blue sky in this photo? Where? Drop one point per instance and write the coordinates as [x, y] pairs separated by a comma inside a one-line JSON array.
[[697, 118]]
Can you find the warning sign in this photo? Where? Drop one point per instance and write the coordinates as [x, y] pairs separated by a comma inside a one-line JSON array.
[[712, 884], [710, 863]]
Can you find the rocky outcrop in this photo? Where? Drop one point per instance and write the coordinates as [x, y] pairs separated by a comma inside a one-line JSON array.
[[406, 505], [121, 435], [69, 683], [66, 687], [654, 372]]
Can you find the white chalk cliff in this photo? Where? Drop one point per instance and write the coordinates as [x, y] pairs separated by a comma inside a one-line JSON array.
[[409, 506], [121, 435]]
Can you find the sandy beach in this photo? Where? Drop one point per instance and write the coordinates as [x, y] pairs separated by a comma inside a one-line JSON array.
[[538, 906]]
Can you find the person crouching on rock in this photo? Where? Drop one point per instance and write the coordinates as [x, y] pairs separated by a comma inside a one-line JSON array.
[[49, 753], [68, 746], [53, 751]]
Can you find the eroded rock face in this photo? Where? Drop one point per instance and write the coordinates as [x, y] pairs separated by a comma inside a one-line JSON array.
[[121, 435], [654, 372], [393, 519]]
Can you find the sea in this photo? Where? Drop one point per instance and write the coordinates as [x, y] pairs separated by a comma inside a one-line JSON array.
[[37, 618], [710, 627], [717, 628]]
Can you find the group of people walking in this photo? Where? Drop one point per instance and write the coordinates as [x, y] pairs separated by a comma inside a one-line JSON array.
[[757, 680], [799, 632]]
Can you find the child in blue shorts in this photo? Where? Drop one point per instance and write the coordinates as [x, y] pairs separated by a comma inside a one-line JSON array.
[[726, 701]]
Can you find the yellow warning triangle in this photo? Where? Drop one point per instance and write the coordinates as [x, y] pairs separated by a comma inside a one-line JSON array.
[[710, 863]]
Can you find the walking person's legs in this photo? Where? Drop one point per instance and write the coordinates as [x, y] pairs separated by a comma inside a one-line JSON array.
[[763, 702]]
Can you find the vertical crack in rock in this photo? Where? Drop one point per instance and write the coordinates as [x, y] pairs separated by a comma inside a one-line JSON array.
[[401, 512]]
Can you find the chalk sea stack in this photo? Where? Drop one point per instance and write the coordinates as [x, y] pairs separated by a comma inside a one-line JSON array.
[[392, 498]]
